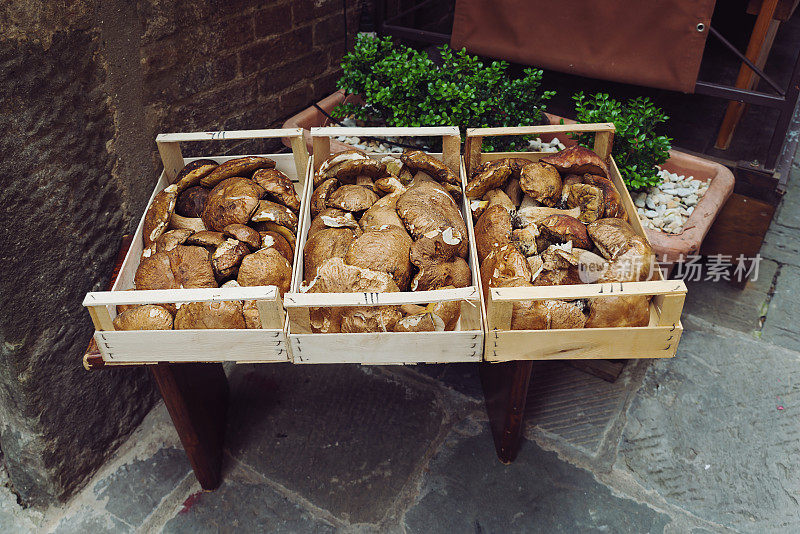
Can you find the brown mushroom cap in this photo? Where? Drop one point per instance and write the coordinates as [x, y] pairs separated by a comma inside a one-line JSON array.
[[236, 167], [434, 247], [191, 201], [420, 161], [195, 224], [495, 176], [145, 317], [610, 236], [454, 273], [191, 267], [226, 258], [206, 238], [516, 165], [577, 160], [332, 218], [426, 207], [245, 234], [155, 272], [323, 245], [252, 319], [353, 198], [611, 197], [423, 322], [349, 171], [497, 197], [513, 191], [319, 198], [448, 311], [330, 165], [610, 312], [492, 230], [563, 228], [231, 201], [192, 172], [390, 184], [274, 212], [633, 263], [546, 314], [266, 226], [279, 187], [266, 267], [536, 214], [382, 213], [589, 199], [172, 239], [503, 267], [279, 243], [159, 214], [541, 182], [385, 250], [525, 239], [205, 315]]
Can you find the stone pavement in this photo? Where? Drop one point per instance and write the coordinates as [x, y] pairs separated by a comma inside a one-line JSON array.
[[708, 441]]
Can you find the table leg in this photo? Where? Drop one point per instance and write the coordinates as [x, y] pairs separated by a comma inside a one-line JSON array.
[[505, 388], [196, 396]]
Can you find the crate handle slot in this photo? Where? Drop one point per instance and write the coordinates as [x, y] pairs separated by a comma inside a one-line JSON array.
[[172, 157]]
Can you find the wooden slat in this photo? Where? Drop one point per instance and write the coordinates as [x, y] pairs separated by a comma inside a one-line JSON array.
[[669, 308], [383, 131], [329, 300], [543, 129], [451, 152], [171, 158], [582, 291], [223, 135], [162, 296]]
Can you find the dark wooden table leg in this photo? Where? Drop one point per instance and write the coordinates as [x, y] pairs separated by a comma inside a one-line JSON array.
[[196, 395], [505, 388]]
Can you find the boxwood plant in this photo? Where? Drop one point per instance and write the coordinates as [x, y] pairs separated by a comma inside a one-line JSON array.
[[405, 87], [637, 148]]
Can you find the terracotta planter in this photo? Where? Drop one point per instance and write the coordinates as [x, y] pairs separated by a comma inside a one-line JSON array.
[[669, 248]]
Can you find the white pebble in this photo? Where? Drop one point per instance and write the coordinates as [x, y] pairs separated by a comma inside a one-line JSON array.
[[650, 202], [650, 213]]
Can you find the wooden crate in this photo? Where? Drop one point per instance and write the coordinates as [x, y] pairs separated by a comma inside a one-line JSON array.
[[465, 344], [657, 340], [267, 344]]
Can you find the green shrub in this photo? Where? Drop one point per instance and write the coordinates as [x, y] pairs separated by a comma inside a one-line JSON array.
[[637, 149], [404, 87]]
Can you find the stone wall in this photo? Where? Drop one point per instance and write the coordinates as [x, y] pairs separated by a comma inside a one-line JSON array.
[[85, 87]]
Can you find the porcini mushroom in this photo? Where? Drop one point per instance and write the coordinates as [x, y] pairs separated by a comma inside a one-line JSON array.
[[265, 267], [203, 315], [493, 177], [278, 186], [159, 214], [577, 160], [226, 258], [492, 230], [589, 199], [385, 250], [144, 317], [330, 166], [352, 198], [323, 245], [274, 212], [245, 234], [541, 182], [420, 161], [319, 198], [172, 239], [236, 167], [426, 207], [191, 201], [232, 200], [193, 172]]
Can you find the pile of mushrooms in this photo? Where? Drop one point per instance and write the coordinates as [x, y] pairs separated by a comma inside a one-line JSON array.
[[382, 226], [556, 221], [219, 225]]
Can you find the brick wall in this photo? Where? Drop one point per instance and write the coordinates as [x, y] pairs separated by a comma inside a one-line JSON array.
[[87, 86]]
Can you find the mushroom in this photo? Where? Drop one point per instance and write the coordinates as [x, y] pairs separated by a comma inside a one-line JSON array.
[[448, 311], [206, 238], [159, 214], [191, 267], [334, 276], [515, 164], [513, 191], [352, 198], [279, 243], [536, 214], [610, 236], [390, 184], [267, 226], [477, 207], [245, 234], [559, 267], [393, 165], [192, 172], [274, 212], [547, 314], [232, 200], [265, 267], [564, 228], [422, 322], [172, 239], [205, 315], [611, 198], [382, 213], [499, 198], [454, 273], [434, 247], [145, 317], [227, 257], [492, 230], [330, 166], [191, 201], [525, 239], [385, 250], [590, 266], [528, 202], [252, 318], [633, 263], [319, 198], [349, 171], [334, 218], [426, 207], [493, 177], [577, 160], [504, 267], [195, 224], [236, 167], [541, 182], [618, 311], [589, 199], [278, 186], [420, 161], [323, 245]]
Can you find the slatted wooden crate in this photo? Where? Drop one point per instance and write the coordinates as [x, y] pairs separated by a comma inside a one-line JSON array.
[[267, 344], [659, 339], [464, 344]]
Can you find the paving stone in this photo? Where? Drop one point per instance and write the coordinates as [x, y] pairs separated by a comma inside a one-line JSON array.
[[781, 326], [342, 436], [467, 489], [782, 244], [574, 405], [243, 503], [88, 520], [724, 305], [150, 480], [715, 431], [462, 377], [788, 213]]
